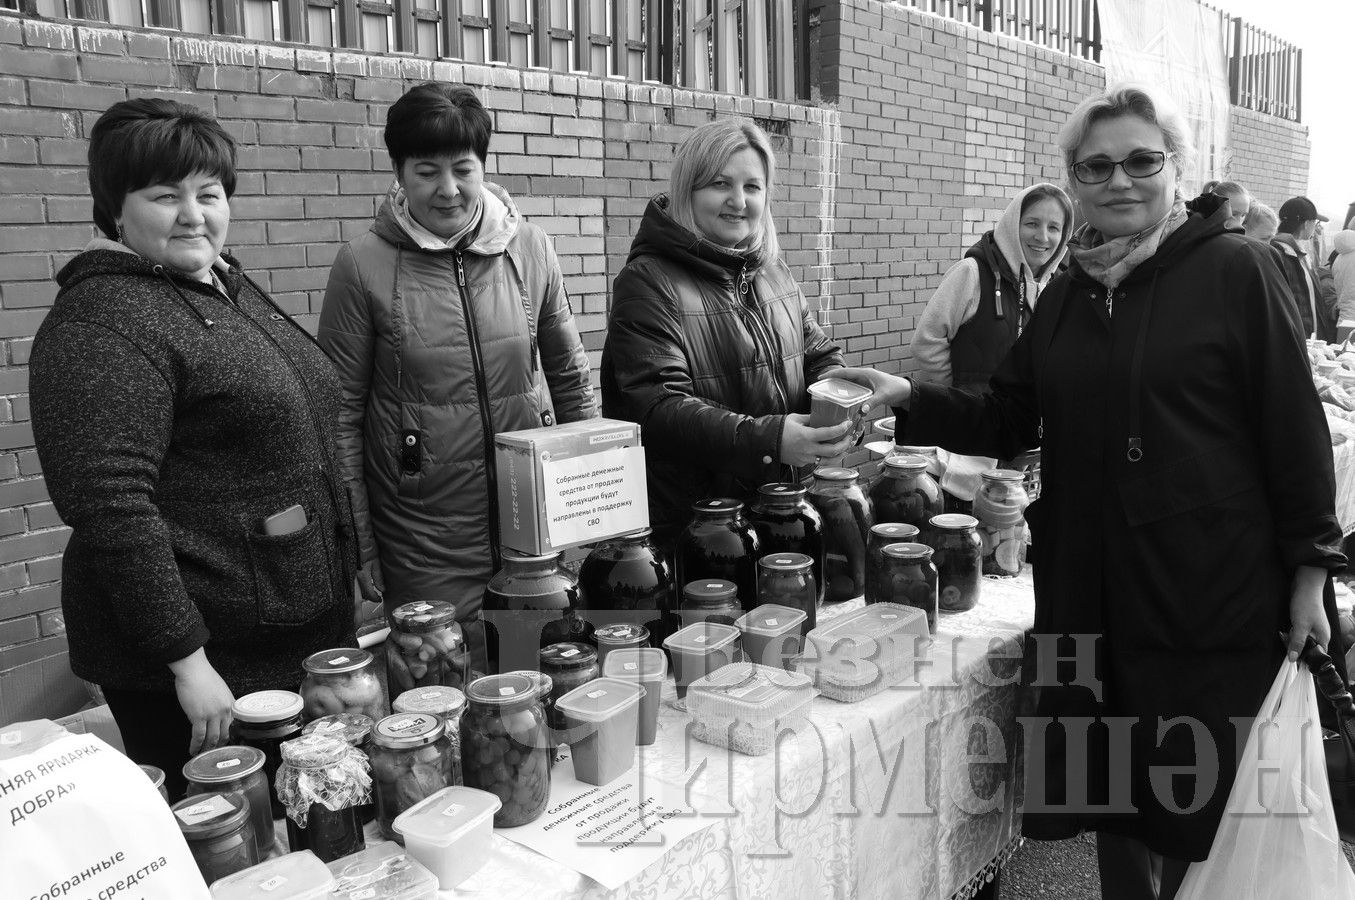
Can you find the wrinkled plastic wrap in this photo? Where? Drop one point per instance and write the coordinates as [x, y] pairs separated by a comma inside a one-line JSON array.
[[324, 770]]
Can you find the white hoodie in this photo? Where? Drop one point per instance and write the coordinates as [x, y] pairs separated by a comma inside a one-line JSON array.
[[1343, 273]]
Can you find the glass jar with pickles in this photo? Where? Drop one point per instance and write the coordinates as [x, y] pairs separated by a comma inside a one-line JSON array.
[[411, 760], [323, 784], [425, 647], [786, 522], [719, 543], [628, 575], [532, 602], [1000, 507], [342, 680], [505, 746], [883, 534], [958, 558], [908, 578], [904, 492], [847, 517]]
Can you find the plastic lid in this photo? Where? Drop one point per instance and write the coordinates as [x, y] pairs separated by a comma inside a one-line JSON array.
[[423, 616], [435, 700], [621, 633], [206, 816], [908, 463], [500, 690], [820, 672], [600, 699], [843, 393], [642, 663], [568, 655], [749, 692], [386, 871], [780, 492], [710, 592], [405, 731], [268, 706], [885, 425], [895, 531], [702, 637], [515, 557], [907, 550], [954, 522], [835, 473], [442, 818], [771, 619], [154, 773], [717, 506], [223, 764], [786, 562], [543, 682], [296, 876], [353, 728], [313, 751], [862, 633], [1007, 475], [337, 661]]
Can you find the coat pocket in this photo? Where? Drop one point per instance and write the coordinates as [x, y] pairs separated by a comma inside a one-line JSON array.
[[291, 574], [1189, 483]]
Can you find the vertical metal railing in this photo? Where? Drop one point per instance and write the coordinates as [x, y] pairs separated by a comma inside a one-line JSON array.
[[1265, 73], [1069, 26]]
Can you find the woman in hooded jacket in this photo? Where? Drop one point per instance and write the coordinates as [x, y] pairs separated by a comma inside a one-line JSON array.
[[1343, 272], [448, 323]]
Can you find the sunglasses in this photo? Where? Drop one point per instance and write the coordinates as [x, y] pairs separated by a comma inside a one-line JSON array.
[[1140, 165]]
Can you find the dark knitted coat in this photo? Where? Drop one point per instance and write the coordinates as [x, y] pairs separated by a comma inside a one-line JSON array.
[[170, 422]]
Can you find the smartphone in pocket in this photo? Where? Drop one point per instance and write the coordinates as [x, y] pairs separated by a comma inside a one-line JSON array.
[[290, 520]]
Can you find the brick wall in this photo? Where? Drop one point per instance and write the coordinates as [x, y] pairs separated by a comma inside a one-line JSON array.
[[1268, 156]]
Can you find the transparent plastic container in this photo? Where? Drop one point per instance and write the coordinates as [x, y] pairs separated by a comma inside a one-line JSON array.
[[157, 777], [236, 770], [425, 647], [505, 745], [342, 680], [292, 876], [743, 706], [218, 832], [647, 667], [771, 635], [699, 650], [384, 871], [568, 665], [267, 720], [451, 833], [833, 400], [862, 652], [448, 704], [602, 718], [619, 636], [411, 759]]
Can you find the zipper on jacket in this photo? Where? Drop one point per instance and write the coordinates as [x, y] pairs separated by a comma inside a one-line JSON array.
[[486, 425], [761, 334]]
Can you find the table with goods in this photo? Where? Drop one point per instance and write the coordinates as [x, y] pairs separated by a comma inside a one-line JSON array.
[[1333, 369]]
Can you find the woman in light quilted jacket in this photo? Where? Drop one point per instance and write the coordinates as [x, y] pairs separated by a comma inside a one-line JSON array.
[[1343, 272], [448, 323]]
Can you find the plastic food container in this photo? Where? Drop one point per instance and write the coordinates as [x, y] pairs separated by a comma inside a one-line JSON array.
[[411, 759], [568, 665], [862, 652], [832, 400], [385, 871], [267, 720], [157, 777], [236, 770], [218, 832], [294, 876], [771, 635], [698, 650], [619, 636], [648, 667], [603, 717], [450, 832], [743, 706], [342, 680]]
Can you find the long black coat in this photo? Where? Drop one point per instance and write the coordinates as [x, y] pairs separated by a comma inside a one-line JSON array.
[[1180, 562]]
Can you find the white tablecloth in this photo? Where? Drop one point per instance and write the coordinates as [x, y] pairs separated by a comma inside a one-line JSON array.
[[876, 799]]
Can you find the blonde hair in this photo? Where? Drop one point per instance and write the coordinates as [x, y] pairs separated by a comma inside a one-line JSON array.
[[1261, 215], [700, 159], [1127, 100]]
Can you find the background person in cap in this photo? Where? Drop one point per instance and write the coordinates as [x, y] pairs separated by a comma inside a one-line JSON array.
[[1316, 306]]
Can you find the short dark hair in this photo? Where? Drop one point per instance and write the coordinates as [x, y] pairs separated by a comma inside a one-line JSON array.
[[435, 119], [137, 143]]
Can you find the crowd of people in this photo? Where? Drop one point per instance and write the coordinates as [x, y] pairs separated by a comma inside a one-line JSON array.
[[227, 477]]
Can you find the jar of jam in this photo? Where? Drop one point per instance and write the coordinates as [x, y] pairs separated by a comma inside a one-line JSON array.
[[847, 517], [568, 665], [323, 784], [909, 579], [626, 579], [425, 647], [266, 720], [411, 760], [218, 832], [905, 492], [619, 636], [236, 770], [959, 560], [786, 522], [710, 600], [1000, 507], [505, 749], [157, 777], [531, 603], [787, 579], [342, 680], [447, 704], [719, 543], [881, 536], [356, 731]]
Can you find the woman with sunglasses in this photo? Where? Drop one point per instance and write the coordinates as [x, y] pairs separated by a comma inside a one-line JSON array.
[[1186, 514]]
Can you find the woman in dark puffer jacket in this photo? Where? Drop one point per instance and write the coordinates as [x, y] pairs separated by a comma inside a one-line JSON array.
[[710, 344]]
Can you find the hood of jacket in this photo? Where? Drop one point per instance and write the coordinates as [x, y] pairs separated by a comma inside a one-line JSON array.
[[102, 256], [1207, 217], [499, 222], [1343, 242], [661, 235], [1001, 247]]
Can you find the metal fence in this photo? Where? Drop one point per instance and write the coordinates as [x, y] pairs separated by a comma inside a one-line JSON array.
[[1264, 72], [1069, 26]]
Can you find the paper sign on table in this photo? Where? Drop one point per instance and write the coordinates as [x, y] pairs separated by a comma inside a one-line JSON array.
[[599, 493]]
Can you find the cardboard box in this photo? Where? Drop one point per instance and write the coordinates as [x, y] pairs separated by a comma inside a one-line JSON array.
[[568, 485]]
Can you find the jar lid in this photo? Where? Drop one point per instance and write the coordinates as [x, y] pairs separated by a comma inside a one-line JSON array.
[[354, 728], [717, 506], [840, 391], [895, 531], [954, 522], [702, 637], [642, 663], [205, 816], [337, 661], [835, 473], [155, 774], [621, 633], [263, 707], [1005, 475], [435, 700], [405, 731], [907, 463], [543, 683], [635, 536], [442, 818], [907, 551], [500, 690], [516, 557], [301, 871], [223, 764], [600, 699], [423, 616], [780, 492], [568, 655], [771, 619], [786, 562], [710, 592], [916, 450], [314, 751]]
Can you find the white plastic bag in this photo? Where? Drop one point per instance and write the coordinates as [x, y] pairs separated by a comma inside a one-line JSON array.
[[1278, 836], [78, 819]]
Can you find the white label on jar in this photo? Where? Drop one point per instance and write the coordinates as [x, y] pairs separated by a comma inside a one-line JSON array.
[[338, 660], [593, 695], [772, 623], [191, 815], [570, 652], [364, 894], [423, 618], [422, 607], [454, 809], [630, 667], [713, 586], [507, 692], [401, 725], [273, 883], [228, 764], [700, 639], [428, 695]]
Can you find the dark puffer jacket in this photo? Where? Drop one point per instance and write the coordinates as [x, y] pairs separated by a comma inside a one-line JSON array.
[[170, 422], [707, 350]]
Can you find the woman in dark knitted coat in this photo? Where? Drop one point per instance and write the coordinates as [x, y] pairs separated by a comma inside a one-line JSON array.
[[175, 408]]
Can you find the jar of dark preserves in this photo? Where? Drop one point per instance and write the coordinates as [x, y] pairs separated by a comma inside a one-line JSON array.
[[882, 535], [505, 747], [218, 832], [323, 784], [905, 492], [719, 543], [355, 730], [909, 579], [958, 559], [266, 720], [1000, 507], [619, 636], [532, 602], [787, 579], [847, 517], [626, 579], [425, 647], [236, 770], [411, 760], [568, 665], [710, 600], [786, 522]]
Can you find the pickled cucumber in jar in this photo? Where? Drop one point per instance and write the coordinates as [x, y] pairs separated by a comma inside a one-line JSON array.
[[412, 758], [426, 647], [342, 680]]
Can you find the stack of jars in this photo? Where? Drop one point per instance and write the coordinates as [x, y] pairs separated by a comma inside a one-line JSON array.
[[786, 522]]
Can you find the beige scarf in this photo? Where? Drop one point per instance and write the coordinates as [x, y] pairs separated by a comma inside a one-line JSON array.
[[1110, 261]]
